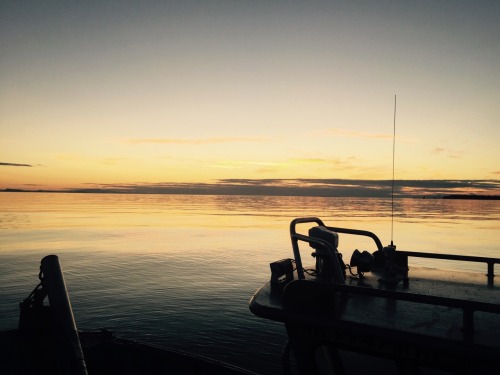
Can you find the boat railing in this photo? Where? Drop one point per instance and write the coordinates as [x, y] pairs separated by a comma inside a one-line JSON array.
[[468, 307], [337, 272], [357, 232], [490, 262], [402, 254]]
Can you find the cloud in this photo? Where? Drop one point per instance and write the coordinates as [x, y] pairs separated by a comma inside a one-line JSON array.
[[305, 187], [357, 134], [438, 150], [68, 157], [15, 165], [266, 167], [112, 161], [359, 187], [199, 141], [229, 164], [454, 154], [313, 161]]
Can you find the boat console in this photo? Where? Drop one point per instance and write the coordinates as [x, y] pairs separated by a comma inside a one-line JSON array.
[[378, 310]]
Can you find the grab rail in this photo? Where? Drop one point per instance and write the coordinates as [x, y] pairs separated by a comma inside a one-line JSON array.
[[338, 274], [318, 221], [490, 262], [468, 307]]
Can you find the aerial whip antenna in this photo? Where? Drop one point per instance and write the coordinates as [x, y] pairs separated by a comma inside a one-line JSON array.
[[393, 154]]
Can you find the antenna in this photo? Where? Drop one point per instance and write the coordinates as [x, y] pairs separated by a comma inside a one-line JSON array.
[[393, 154]]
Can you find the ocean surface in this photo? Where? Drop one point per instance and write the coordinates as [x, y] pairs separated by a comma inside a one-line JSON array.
[[179, 270]]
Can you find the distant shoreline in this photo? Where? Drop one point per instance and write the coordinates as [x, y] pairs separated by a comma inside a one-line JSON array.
[[295, 192], [471, 196]]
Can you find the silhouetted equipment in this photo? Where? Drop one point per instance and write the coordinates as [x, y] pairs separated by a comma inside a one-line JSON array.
[[51, 342], [380, 318], [329, 263], [363, 261], [281, 271]]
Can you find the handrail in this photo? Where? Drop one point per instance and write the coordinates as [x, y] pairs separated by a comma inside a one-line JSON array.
[[301, 220], [466, 258], [54, 285], [295, 244], [468, 307], [338, 273], [359, 232], [296, 237], [318, 221]]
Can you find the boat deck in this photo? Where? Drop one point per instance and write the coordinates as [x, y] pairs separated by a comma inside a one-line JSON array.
[[442, 319]]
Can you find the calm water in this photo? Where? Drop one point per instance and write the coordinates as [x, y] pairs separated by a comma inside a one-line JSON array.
[[179, 270]]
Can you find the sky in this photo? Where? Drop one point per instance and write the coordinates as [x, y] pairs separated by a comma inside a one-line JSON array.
[[149, 93]]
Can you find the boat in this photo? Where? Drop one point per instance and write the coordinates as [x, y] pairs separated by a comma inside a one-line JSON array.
[[379, 313], [47, 341]]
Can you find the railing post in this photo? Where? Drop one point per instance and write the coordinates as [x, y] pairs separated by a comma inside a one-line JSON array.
[[491, 272], [60, 306], [298, 260]]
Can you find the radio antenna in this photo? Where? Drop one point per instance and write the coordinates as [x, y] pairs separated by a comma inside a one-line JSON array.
[[393, 154]]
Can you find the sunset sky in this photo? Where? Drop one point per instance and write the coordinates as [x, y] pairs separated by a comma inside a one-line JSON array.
[[148, 92]]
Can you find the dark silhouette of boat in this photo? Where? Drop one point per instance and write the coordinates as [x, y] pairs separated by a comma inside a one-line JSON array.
[[47, 342], [377, 315]]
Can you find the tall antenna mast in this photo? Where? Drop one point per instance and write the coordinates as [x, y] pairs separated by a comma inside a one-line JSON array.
[[393, 154]]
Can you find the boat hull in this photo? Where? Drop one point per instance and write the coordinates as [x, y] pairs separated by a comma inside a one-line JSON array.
[[106, 354]]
